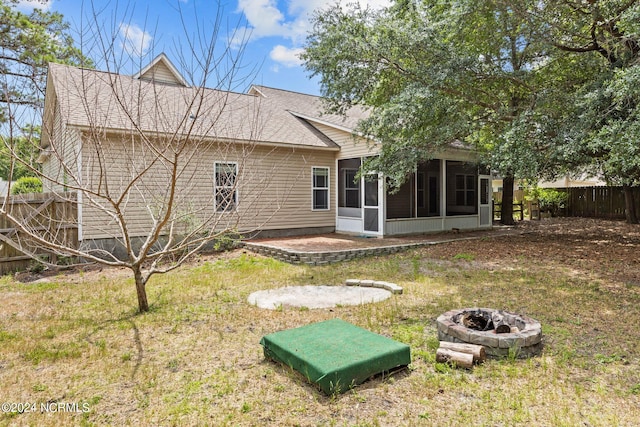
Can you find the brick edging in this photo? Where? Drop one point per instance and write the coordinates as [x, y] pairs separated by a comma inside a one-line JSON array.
[[326, 257], [293, 256]]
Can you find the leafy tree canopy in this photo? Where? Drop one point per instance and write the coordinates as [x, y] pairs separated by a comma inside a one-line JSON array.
[[541, 87], [594, 120], [25, 147], [433, 72], [27, 44], [600, 118]]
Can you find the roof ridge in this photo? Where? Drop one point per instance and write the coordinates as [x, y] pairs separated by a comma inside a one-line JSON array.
[[133, 78], [286, 90]]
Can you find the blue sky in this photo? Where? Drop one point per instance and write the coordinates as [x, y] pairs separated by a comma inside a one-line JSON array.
[[274, 30]]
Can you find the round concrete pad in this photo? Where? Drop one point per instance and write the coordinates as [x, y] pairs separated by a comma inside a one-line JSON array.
[[317, 296]]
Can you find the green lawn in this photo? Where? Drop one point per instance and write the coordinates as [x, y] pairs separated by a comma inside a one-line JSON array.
[[195, 359]]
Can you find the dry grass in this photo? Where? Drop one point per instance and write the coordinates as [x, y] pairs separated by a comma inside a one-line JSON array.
[[195, 358]]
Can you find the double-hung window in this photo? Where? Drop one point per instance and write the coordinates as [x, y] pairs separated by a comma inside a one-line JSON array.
[[225, 191], [320, 188]]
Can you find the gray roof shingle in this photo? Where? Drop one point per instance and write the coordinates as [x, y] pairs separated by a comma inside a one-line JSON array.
[[108, 101]]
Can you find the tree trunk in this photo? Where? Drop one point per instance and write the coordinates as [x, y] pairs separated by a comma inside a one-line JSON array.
[[630, 205], [506, 212], [141, 290]]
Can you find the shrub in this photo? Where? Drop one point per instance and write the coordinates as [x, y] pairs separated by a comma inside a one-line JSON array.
[[549, 199], [227, 241], [27, 184]]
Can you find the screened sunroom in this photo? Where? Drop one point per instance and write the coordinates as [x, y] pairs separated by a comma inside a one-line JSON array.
[[441, 194]]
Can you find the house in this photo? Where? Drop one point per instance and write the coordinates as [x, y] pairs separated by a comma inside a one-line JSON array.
[[267, 160], [567, 181], [4, 186]]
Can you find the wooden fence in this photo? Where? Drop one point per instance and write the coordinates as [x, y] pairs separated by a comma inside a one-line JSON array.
[[518, 210], [518, 196], [518, 205], [50, 215], [599, 202], [592, 202]]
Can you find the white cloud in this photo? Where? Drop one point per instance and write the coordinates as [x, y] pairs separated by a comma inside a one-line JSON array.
[[289, 57], [288, 19], [306, 7], [264, 18], [135, 41], [28, 5]]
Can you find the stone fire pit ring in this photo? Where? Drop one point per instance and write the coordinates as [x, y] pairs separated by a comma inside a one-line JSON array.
[[525, 336]]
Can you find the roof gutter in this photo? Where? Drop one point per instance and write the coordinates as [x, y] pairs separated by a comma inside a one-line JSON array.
[[84, 128]]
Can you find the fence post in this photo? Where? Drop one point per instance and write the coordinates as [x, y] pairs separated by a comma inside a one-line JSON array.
[[521, 211], [53, 258]]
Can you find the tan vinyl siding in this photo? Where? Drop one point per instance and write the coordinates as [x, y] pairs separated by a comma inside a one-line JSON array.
[[274, 188], [349, 147], [52, 127], [461, 155], [63, 149], [161, 74]]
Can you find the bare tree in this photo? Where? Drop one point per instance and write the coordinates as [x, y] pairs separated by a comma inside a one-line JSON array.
[[161, 166]]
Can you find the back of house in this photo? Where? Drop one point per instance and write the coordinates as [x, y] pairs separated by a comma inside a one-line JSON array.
[[268, 161]]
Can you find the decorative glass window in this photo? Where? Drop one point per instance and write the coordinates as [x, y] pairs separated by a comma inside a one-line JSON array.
[[225, 192], [320, 189]]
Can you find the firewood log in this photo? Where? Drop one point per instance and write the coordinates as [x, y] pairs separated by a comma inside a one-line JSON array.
[[462, 360], [478, 352]]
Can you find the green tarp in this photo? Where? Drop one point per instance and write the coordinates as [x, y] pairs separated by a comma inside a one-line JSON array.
[[335, 354]]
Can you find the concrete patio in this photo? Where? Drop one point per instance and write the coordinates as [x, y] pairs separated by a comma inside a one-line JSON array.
[[328, 248]]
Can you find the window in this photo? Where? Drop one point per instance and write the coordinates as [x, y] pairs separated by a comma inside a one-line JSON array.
[[371, 190], [351, 188], [484, 191], [465, 190], [225, 192], [462, 188], [418, 196], [320, 189]]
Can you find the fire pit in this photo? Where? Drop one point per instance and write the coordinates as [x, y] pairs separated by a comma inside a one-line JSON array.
[[496, 330]]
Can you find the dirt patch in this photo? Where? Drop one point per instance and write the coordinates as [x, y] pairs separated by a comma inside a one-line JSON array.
[[335, 241], [606, 248], [91, 272], [30, 276]]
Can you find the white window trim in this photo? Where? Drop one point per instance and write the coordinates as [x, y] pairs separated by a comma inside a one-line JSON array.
[[234, 187], [314, 188]]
